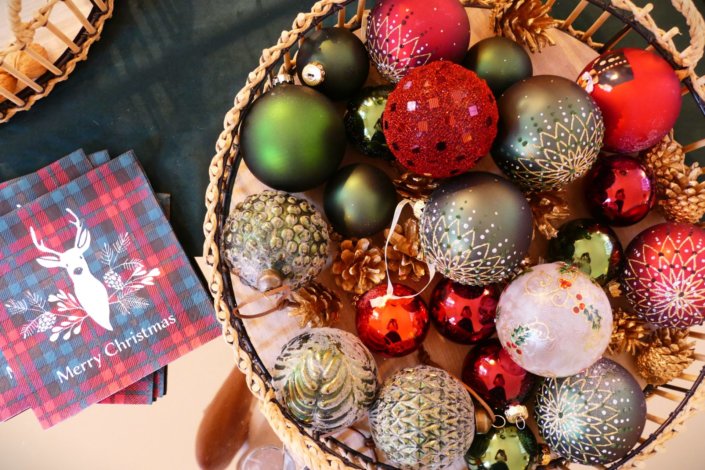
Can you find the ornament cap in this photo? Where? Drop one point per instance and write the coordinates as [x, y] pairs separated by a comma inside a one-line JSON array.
[[282, 79], [313, 74], [268, 280]]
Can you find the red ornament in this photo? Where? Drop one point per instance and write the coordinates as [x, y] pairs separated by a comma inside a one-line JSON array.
[[440, 120], [664, 275], [639, 95], [464, 314], [619, 190], [405, 34], [395, 329], [490, 371]]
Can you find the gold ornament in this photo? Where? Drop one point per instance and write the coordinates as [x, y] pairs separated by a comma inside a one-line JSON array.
[[629, 333], [524, 21], [404, 251], [668, 355], [415, 187], [26, 64], [315, 305], [359, 266], [8, 82], [549, 209]]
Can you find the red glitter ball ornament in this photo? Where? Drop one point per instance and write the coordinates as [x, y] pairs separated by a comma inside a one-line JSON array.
[[395, 329], [440, 120], [464, 314], [639, 95], [404, 34], [664, 275]]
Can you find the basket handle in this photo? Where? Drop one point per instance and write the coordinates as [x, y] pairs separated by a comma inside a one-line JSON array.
[[23, 33]]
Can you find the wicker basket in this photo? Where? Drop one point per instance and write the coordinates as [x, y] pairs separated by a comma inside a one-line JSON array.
[[680, 398], [26, 88]]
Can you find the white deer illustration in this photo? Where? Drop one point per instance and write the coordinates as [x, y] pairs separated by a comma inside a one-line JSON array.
[[90, 292]]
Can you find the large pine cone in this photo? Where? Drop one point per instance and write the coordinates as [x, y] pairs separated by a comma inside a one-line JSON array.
[[359, 266], [404, 251], [669, 354]]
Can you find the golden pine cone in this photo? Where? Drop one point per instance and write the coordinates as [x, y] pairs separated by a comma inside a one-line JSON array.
[[359, 266], [549, 209], [414, 186], [668, 355], [315, 305], [524, 21], [404, 251], [629, 333]]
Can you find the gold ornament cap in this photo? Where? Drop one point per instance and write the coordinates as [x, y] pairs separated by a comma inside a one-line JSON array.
[[313, 74], [516, 414]]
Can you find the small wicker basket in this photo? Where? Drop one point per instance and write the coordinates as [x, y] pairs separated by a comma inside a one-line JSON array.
[[681, 397]]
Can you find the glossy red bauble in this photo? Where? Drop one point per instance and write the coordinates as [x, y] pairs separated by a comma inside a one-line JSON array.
[[464, 314], [490, 371], [619, 190], [395, 329], [405, 34], [664, 275], [440, 120], [639, 95]]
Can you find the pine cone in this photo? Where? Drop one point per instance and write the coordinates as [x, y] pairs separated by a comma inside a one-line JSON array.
[[404, 251], [413, 186], [524, 21], [359, 266], [628, 333], [315, 305], [549, 209], [46, 321], [113, 280], [668, 355]]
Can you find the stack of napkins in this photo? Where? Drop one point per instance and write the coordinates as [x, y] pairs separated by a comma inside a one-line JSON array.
[[96, 294]]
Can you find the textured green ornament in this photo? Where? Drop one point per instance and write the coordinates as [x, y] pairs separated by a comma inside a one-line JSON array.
[[363, 121], [273, 239], [326, 378], [500, 62], [292, 138], [507, 448], [423, 418], [359, 200]]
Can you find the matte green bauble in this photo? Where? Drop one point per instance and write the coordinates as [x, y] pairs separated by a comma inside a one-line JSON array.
[[359, 200], [272, 239], [326, 378], [591, 246], [507, 448], [363, 121], [500, 62], [550, 133], [292, 138], [422, 418], [333, 61]]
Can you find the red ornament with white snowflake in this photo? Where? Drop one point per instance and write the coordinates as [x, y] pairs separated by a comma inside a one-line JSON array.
[[404, 34], [664, 275]]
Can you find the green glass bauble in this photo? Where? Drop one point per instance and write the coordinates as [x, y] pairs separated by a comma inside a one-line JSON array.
[[507, 448], [333, 61], [500, 62], [326, 378], [359, 200], [292, 138], [363, 121]]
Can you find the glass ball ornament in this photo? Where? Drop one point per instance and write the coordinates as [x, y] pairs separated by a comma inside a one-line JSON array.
[[476, 228], [499, 61], [664, 275], [326, 378], [619, 190], [440, 119], [639, 95], [550, 133], [363, 121], [591, 246], [505, 448], [405, 34], [423, 418], [464, 314], [553, 320], [594, 417]]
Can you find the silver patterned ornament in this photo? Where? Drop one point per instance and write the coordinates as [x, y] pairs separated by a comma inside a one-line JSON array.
[[326, 378]]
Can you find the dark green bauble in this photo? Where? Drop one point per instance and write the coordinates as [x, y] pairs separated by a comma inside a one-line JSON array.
[[550, 133], [500, 62], [591, 246], [333, 61], [292, 138], [363, 121], [359, 200], [507, 448]]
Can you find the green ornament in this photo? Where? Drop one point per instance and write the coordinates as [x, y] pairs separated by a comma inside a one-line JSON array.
[[333, 61], [359, 200], [292, 138], [326, 378], [500, 62], [363, 121], [507, 448]]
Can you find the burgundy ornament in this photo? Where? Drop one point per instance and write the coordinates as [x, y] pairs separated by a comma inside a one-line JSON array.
[[619, 190], [490, 371], [395, 329], [464, 314]]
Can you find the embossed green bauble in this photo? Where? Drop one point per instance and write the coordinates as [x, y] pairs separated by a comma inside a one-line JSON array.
[[273, 239], [363, 121], [506, 448], [422, 418], [326, 378]]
